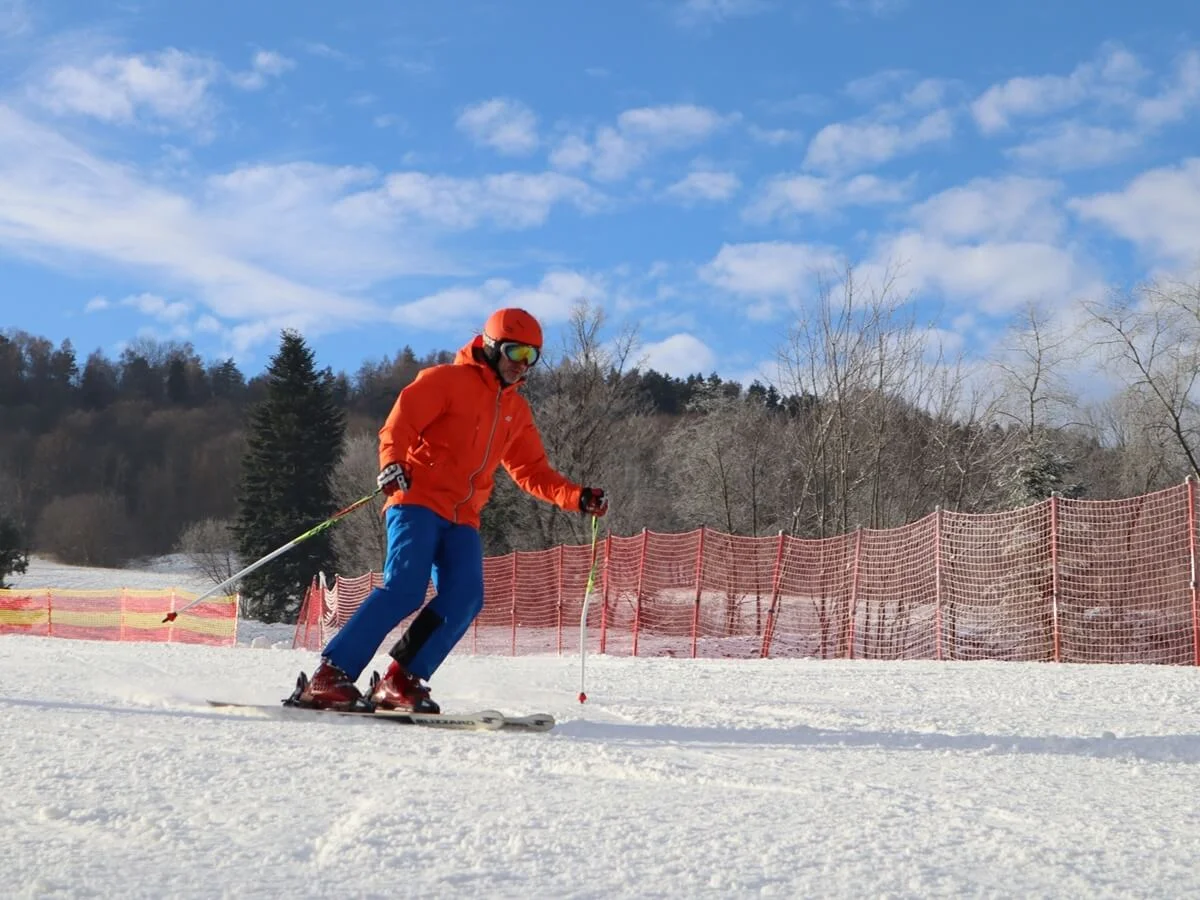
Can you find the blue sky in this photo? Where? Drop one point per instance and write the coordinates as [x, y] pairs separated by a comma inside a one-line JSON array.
[[382, 174]]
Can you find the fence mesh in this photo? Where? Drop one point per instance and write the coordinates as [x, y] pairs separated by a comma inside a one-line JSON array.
[[118, 615], [1063, 580]]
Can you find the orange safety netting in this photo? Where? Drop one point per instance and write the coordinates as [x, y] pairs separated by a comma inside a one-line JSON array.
[[118, 615], [1063, 580]]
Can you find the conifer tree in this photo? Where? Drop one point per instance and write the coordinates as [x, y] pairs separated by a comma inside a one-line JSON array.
[[293, 444], [13, 558]]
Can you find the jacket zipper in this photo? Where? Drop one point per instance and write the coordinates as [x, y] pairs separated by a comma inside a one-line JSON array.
[[487, 451]]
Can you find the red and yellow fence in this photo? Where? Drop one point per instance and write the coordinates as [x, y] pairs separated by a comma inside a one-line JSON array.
[[118, 615]]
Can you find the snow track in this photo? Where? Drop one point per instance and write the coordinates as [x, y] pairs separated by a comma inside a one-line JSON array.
[[678, 778]]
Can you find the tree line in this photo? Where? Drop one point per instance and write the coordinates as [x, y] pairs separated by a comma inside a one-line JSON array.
[[871, 423]]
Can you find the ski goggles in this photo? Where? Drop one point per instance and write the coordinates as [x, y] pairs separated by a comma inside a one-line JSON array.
[[520, 353]]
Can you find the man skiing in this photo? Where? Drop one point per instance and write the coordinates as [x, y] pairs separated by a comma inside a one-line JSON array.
[[438, 453]]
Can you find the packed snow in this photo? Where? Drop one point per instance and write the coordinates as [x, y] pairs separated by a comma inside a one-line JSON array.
[[681, 778]]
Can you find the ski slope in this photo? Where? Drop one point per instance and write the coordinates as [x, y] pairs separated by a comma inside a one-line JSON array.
[[681, 778]]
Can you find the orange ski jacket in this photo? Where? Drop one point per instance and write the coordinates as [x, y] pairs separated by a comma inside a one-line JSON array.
[[452, 426]]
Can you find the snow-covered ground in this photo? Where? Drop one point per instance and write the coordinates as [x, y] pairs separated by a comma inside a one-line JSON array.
[[680, 778], [152, 574]]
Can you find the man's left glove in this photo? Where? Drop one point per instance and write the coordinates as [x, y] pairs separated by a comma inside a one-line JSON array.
[[592, 501], [392, 478]]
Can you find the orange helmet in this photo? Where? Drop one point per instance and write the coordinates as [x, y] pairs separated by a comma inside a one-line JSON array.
[[512, 324]]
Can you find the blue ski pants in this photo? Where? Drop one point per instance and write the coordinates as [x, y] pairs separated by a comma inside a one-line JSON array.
[[420, 545]]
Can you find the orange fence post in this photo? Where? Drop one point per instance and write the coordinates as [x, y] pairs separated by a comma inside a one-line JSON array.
[[1055, 635], [513, 607], [637, 609], [853, 593], [559, 609], [937, 584], [604, 598], [699, 585], [776, 591], [1191, 498]]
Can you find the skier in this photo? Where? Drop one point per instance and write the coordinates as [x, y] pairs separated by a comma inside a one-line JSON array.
[[438, 453]]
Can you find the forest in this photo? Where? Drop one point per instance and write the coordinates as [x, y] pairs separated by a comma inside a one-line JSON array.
[[872, 424]]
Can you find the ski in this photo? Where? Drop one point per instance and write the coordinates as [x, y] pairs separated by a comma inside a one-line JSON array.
[[479, 720]]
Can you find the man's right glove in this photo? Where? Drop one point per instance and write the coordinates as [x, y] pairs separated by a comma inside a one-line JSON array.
[[593, 502], [392, 478]]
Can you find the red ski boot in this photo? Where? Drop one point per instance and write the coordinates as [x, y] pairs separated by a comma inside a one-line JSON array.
[[330, 688], [402, 691]]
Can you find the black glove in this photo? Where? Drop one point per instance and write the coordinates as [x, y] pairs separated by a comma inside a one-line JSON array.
[[392, 478], [592, 501]]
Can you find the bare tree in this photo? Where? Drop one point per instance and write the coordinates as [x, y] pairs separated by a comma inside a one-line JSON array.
[[596, 430], [1031, 369], [964, 447], [85, 529], [727, 464], [1141, 455], [1152, 340], [855, 362], [211, 548], [360, 540]]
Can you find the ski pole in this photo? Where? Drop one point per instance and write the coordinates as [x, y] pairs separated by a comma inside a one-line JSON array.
[[587, 596], [312, 532]]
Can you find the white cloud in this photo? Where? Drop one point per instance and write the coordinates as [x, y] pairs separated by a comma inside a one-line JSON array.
[[874, 87], [613, 156], [788, 195], [998, 277], [679, 355], [266, 64], [507, 126], [1075, 145], [97, 304], [1011, 208], [207, 324], [849, 145], [705, 186], [676, 125], [775, 137], [1159, 211], [991, 245], [510, 200], [771, 269], [157, 307], [465, 308], [571, 153], [637, 135], [170, 86], [1110, 77], [258, 245], [324, 51], [1176, 100], [1116, 116], [927, 93], [389, 120]]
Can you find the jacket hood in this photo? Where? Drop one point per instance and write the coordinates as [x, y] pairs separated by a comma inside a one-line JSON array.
[[470, 354]]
